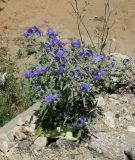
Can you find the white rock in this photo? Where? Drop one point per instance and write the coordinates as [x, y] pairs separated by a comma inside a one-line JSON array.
[[20, 122], [100, 101], [40, 142], [109, 119], [131, 129], [2, 5]]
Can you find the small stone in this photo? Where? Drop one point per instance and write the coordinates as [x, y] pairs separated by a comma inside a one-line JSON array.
[[114, 96], [117, 115], [40, 142], [100, 101], [131, 129], [20, 122], [109, 119]]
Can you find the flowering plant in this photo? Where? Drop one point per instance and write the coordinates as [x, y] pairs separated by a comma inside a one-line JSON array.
[[66, 79]]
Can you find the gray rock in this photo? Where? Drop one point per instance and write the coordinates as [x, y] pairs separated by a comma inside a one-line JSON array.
[[108, 146], [131, 129], [24, 145], [40, 142], [66, 144], [100, 101], [109, 119]]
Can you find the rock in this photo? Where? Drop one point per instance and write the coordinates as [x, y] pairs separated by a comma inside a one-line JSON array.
[[119, 56], [109, 119], [107, 146], [66, 144], [130, 154], [24, 145], [100, 101], [131, 129], [114, 96], [40, 142], [20, 133], [20, 122]]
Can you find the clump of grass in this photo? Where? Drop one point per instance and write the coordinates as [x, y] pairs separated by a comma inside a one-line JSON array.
[[12, 99]]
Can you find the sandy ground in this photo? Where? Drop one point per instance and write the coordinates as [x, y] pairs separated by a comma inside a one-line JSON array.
[[58, 14]]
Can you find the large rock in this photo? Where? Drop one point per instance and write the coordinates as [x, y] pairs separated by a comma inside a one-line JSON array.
[[40, 142], [108, 146]]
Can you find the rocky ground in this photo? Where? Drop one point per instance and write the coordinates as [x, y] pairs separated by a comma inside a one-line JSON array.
[[112, 136]]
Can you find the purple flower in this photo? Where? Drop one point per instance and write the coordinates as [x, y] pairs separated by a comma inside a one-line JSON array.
[[57, 42], [51, 98], [41, 70], [98, 57], [59, 55], [86, 87], [76, 44], [29, 75], [113, 62], [77, 69], [51, 33], [80, 123], [64, 115], [86, 53], [101, 74], [48, 47], [62, 70], [126, 61], [33, 30]]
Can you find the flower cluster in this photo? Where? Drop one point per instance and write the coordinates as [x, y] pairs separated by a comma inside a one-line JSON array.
[[75, 74], [32, 31]]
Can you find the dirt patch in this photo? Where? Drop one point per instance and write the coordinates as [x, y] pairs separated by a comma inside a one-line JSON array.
[[18, 15]]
